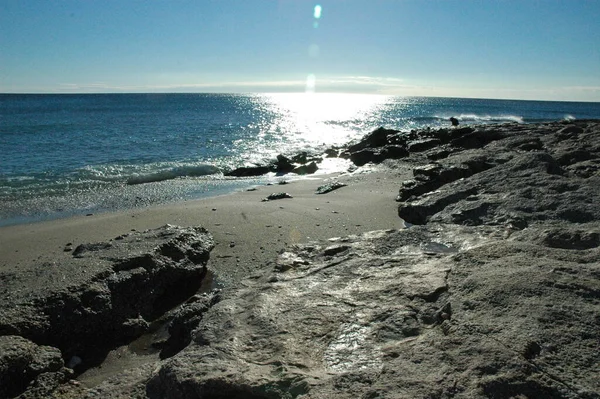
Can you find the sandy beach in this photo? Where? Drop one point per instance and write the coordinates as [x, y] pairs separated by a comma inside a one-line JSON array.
[[248, 232]]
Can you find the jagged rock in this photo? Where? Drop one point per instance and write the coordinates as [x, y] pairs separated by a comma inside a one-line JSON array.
[[478, 138], [519, 178], [276, 196], [495, 297], [377, 155], [430, 177], [528, 188], [23, 363], [326, 188], [377, 138], [113, 289], [300, 158]]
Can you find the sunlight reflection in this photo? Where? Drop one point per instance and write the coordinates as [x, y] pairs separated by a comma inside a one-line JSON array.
[[311, 117], [312, 122]]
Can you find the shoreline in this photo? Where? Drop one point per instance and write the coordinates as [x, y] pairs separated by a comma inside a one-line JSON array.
[[233, 219]]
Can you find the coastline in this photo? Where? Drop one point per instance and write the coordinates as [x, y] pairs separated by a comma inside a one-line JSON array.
[[454, 261], [241, 223]]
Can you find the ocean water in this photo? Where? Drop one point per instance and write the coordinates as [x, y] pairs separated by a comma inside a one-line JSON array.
[[75, 154]]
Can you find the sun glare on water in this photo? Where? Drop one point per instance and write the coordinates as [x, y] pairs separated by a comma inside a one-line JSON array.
[[327, 118], [295, 122]]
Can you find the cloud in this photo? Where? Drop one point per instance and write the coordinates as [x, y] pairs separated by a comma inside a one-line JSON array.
[[335, 84]]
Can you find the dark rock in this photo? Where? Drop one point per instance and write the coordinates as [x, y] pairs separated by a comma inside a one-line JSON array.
[[570, 129], [283, 164], [423, 145], [248, 171], [23, 363], [377, 138], [300, 158], [111, 293], [433, 176], [326, 188], [574, 156], [306, 169], [478, 138], [377, 155], [331, 153], [276, 196], [185, 320]]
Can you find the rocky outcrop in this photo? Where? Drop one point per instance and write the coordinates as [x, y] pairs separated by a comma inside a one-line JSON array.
[[429, 311], [302, 163], [114, 290], [519, 177]]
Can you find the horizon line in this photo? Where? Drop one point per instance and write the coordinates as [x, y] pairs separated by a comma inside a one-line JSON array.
[[33, 93]]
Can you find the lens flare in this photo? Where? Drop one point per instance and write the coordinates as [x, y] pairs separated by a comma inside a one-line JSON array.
[[317, 12]]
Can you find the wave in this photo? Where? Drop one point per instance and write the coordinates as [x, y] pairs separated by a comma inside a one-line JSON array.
[[483, 118], [174, 173]]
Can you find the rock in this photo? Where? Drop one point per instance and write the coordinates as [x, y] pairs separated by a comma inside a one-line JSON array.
[[377, 138], [519, 177], [494, 295], [248, 171], [326, 188], [478, 138], [300, 158], [331, 153], [377, 155], [276, 196], [283, 164], [569, 130], [306, 169], [185, 320], [23, 364], [353, 316], [423, 145], [113, 290]]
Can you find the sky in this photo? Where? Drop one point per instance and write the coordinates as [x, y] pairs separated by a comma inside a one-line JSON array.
[[517, 49]]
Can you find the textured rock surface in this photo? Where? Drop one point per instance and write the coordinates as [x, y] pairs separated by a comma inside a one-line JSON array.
[[114, 290], [22, 362], [435, 311]]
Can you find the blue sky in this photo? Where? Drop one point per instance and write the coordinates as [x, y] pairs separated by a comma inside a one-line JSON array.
[[521, 49]]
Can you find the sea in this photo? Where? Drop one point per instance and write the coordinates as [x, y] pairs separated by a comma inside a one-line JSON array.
[[69, 154]]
